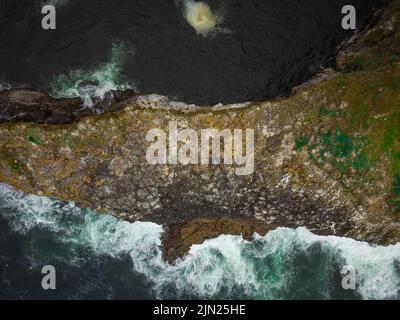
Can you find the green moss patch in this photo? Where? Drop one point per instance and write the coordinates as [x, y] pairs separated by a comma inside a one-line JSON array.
[[339, 149], [12, 162], [34, 139], [301, 142]]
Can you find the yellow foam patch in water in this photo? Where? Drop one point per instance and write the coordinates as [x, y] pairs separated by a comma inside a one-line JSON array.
[[200, 16]]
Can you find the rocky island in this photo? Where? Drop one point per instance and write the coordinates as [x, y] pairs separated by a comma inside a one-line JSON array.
[[327, 157]]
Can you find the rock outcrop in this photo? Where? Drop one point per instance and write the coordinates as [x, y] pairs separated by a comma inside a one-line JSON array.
[[327, 158], [25, 105]]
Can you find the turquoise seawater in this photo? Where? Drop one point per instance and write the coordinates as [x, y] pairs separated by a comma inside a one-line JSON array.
[[98, 256]]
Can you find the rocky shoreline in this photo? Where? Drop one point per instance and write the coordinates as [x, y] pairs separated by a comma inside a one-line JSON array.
[[327, 158], [26, 105]]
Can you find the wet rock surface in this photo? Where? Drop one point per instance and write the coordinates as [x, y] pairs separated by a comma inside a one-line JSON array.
[[25, 105], [31, 106]]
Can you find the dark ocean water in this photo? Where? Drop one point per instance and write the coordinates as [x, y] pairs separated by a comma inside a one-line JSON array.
[[260, 49], [100, 257]]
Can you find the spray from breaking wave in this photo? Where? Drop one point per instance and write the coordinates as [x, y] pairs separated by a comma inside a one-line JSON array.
[[4, 86], [285, 264], [201, 17], [95, 84]]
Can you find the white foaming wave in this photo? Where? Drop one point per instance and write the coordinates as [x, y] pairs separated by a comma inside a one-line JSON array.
[[214, 266], [375, 265], [104, 87], [258, 268], [104, 79], [26, 212], [4, 86]]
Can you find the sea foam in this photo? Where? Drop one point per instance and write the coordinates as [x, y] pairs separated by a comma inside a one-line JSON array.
[[105, 78]]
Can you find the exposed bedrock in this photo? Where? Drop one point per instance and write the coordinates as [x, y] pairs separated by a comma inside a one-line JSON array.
[[25, 105], [327, 158]]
